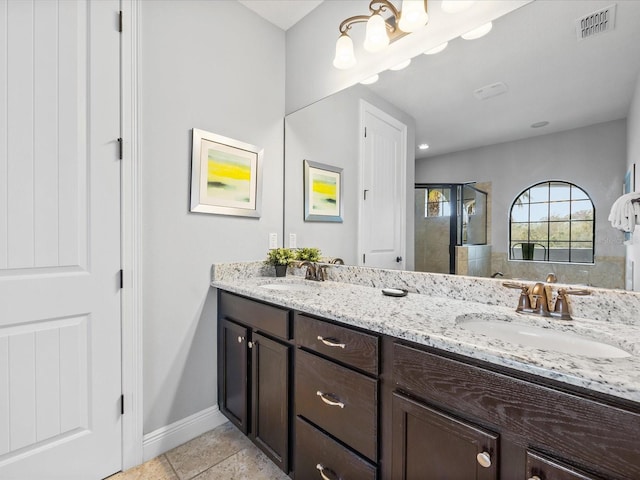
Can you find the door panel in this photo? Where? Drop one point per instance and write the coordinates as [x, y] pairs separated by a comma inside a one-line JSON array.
[[234, 395], [60, 361], [383, 164]]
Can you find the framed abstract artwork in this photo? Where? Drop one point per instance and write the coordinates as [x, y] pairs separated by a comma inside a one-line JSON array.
[[322, 192], [226, 176]]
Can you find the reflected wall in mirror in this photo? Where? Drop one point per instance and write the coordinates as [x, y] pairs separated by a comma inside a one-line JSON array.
[[582, 88]]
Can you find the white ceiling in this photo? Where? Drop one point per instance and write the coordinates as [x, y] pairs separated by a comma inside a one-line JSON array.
[[551, 77], [282, 13]]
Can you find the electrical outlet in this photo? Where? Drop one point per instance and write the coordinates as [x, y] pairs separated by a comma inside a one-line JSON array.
[[293, 240], [273, 240]]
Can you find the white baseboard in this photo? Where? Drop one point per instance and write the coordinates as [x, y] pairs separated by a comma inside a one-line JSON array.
[[165, 438]]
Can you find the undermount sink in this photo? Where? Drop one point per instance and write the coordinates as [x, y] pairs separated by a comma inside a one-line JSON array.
[[539, 337]]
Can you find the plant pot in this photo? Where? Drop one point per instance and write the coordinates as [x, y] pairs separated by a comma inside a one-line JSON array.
[[528, 251], [281, 270]]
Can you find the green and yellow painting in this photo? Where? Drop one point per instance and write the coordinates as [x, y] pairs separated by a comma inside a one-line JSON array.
[[324, 194], [228, 177]]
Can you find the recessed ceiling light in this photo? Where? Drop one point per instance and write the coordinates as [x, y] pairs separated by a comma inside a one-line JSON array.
[[437, 49], [481, 31], [401, 65], [370, 80], [544, 123], [455, 6], [423, 146]]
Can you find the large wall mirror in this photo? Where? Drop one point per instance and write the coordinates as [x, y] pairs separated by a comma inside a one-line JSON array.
[[528, 103]]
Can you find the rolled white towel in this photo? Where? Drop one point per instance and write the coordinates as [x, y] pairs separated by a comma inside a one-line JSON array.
[[625, 214]]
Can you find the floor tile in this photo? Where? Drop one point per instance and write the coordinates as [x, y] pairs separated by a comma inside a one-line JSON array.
[[155, 469], [207, 450], [247, 464]]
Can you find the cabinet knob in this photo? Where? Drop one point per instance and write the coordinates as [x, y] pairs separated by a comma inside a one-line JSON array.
[[326, 473], [328, 400], [251, 344], [484, 459], [240, 339], [535, 477]]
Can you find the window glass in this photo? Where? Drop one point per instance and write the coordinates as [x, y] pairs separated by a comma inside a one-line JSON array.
[[554, 220]]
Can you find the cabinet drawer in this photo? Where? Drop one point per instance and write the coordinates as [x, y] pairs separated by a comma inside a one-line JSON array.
[[357, 349], [261, 317], [547, 469], [316, 451], [354, 416], [592, 434]]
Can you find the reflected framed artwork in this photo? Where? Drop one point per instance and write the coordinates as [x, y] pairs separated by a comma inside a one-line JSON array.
[[322, 192], [226, 176]]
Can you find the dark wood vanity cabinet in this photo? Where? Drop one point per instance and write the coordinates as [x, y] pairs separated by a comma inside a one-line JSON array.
[[427, 443], [579, 436], [254, 371], [327, 401], [336, 401]]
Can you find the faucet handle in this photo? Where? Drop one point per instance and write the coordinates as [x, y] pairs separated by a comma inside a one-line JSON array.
[[562, 307]]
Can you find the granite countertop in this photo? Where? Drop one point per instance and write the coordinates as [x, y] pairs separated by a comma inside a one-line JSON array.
[[434, 321]]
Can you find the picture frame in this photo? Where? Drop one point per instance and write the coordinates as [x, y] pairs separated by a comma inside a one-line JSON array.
[[322, 192], [226, 176]]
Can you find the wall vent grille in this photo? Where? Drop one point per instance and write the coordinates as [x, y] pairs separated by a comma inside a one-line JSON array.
[[602, 21]]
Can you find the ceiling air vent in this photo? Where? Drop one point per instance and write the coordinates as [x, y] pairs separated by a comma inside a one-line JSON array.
[[489, 91], [595, 23]]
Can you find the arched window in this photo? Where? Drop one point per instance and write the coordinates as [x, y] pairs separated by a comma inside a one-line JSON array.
[[553, 222]]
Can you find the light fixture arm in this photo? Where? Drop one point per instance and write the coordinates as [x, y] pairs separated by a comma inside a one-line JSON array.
[[375, 7]]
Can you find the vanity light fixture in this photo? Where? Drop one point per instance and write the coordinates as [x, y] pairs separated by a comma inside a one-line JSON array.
[[370, 80], [380, 32], [437, 49], [476, 33], [401, 65]]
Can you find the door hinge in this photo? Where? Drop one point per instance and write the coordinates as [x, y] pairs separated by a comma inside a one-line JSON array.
[[120, 148], [120, 21], [365, 194], [364, 256], [365, 132], [121, 278], [122, 404]]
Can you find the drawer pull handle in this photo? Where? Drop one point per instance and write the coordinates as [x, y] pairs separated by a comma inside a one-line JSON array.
[[330, 343], [326, 399], [484, 459], [322, 469]]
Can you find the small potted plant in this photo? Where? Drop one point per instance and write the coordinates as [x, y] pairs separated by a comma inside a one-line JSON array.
[[280, 258], [309, 254]]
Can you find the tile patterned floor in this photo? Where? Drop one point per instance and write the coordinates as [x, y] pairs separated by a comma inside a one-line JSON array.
[[220, 454]]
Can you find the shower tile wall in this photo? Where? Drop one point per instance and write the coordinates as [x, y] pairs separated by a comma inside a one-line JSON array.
[[473, 260], [431, 239]]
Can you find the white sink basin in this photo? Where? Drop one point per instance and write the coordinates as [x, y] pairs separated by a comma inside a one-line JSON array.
[[539, 337]]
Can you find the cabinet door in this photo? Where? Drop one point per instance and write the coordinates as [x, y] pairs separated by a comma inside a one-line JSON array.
[[233, 358], [270, 402], [428, 444], [543, 468]]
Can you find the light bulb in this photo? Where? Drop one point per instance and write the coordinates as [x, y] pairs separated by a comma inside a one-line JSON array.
[[345, 58], [412, 15], [376, 37], [437, 49], [401, 65], [370, 80], [481, 31]]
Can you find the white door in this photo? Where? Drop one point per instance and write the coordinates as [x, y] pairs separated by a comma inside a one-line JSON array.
[[59, 240], [383, 195]]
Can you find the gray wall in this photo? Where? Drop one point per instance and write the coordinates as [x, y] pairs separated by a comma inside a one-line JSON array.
[[193, 75], [327, 132], [592, 157], [633, 157]]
